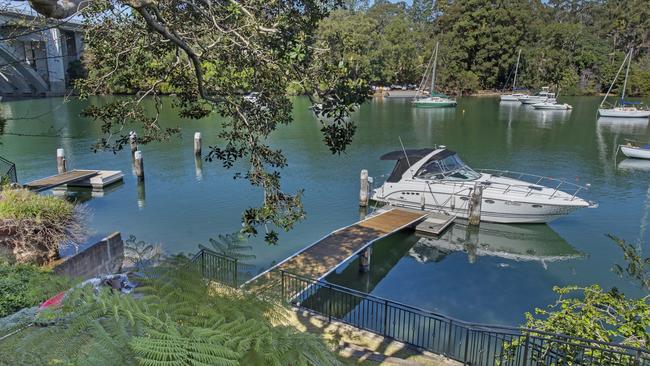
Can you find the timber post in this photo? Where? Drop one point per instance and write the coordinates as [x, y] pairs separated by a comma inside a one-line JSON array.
[[60, 161], [364, 260], [475, 200], [364, 189], [197, 143], [139, 165], [133, 141]]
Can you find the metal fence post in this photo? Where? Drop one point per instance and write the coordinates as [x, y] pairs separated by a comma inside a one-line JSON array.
[[526, 349], [329, 304], [202, 263], [385, 317], [466, 346], [451, 323], [236, 280]]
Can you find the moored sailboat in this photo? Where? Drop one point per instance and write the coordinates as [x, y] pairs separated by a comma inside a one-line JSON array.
[[515, 96], [623, 108], [434, 100]]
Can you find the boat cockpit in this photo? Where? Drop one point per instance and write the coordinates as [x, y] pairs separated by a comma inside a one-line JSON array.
[[446, 165]]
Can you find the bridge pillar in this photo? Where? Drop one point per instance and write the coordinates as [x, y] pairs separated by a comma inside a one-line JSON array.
[[55, 61]]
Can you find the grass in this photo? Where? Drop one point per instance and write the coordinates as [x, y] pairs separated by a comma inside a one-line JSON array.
[[21, 204]]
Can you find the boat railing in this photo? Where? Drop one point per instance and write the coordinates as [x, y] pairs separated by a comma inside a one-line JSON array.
[[538, 182]]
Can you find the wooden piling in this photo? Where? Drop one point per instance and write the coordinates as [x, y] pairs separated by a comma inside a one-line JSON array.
[[364, 260], [133, 141], [365, 189], [138, 165], [142, 194], [475, 200], [197, 143], [60, 161]]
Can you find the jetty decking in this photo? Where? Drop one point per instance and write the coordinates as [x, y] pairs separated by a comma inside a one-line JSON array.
[[322, 257], [60, 179]]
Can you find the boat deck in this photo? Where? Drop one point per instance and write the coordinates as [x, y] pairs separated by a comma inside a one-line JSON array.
[[322, 257]]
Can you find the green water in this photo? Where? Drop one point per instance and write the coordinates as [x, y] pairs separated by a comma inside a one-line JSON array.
[[493, 275]]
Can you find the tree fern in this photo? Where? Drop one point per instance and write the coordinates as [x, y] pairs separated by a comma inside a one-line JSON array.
[[173, 318]]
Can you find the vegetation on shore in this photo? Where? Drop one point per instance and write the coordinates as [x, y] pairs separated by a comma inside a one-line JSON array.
[[575, 45], [177, 319], [34, 226], [26, 285]]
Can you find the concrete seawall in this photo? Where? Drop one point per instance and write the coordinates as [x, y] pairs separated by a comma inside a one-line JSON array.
[[102, 258]]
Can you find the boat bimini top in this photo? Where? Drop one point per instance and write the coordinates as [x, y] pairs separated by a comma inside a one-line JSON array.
[[429, 164]]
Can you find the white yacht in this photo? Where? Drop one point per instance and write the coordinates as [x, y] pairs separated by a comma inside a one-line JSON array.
[[636, 152], [552, 104], [540, 97], [434, 100], [438, 180], [623, 108]]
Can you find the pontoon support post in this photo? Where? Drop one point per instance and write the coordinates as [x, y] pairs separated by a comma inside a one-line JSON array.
[[364, 189], [60, 161], [475, 201], [364, 260]]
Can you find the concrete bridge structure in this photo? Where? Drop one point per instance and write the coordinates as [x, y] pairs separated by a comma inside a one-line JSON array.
[[37, 58]]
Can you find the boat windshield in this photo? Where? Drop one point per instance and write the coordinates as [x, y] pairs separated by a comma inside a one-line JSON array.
[[448, 168]]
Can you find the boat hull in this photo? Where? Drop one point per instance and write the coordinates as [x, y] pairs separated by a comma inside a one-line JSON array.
[[554, 107], [434, 104], [623, 114], [531, 100], [511, 97], [635, 152]]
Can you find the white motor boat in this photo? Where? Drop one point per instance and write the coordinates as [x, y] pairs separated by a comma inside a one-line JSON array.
[[552, 104], [438, 180], [637, 152], [540, 97], [623, 108]]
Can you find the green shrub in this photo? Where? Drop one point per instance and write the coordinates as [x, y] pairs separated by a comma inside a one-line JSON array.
[[25, 285], [19, 204]]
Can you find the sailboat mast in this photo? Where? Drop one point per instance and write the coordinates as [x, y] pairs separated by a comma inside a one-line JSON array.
[[614, 81], [627, 71], [433, 73], [514, 82]]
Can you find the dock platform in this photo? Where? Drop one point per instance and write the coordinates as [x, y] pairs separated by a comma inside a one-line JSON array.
[[322, 257], [96, 179], [435, 223]]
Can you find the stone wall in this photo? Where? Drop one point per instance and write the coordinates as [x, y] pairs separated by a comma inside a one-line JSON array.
[[102, 258]]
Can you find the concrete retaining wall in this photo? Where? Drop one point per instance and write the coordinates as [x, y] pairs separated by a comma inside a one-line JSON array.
[[102, 258]]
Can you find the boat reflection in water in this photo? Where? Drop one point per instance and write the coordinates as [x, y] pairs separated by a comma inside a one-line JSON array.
[[634, 164], [530, 243], [624, 125], [546, 118]]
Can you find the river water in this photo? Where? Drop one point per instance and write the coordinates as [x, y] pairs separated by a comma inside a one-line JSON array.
[[492, 275]]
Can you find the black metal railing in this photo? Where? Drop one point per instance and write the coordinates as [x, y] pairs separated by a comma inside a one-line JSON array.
[[217, 267], [7, 171], [472, 344]]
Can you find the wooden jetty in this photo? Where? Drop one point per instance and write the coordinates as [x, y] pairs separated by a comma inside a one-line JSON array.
[[96, 179], [324, 256]]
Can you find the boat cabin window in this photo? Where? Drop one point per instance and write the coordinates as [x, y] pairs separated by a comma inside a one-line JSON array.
[[448, 168]]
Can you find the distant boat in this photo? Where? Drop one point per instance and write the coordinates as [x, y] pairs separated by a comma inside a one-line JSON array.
[[552, 104], [623, 108], [434, 100], [636, 152], [515, 96], [540, 97]]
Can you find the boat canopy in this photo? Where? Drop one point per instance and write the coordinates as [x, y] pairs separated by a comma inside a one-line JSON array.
[[413, 154], [627, 102], [446, 165]]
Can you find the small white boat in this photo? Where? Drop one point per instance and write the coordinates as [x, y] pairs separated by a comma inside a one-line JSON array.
[[637, 152], [552, 104], [623, 108], [514, 97], [438, 180]]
